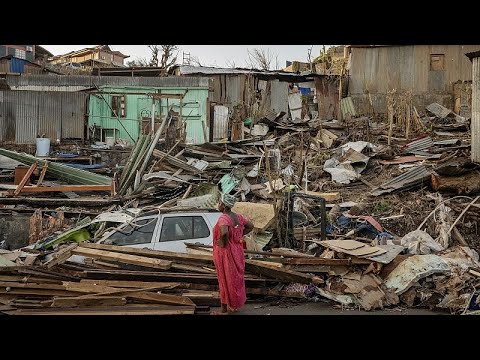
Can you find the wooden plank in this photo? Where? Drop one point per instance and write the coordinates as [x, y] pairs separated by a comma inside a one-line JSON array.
[[192, 268], [124, 258], [25, 179], [331, 196], [39, 292], [129, 309], [89, 301], [29, 279], [30, 260], [318, 261], [164, 276], [63, 188], [132, 284], [42, 174], [258, 267], [89, 288], [144, 295], [167, 255], [60, 256], [19, 285]]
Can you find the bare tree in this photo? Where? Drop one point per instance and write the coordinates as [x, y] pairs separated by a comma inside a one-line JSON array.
[[230, 64], [154, 59], [138, 62], [169, 57], [195, 61], [262, 59]]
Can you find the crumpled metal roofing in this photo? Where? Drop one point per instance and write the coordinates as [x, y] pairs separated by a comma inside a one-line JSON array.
[[409, 179], [61, 172]]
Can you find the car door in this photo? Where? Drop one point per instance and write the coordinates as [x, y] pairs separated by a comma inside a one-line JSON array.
[[177, 229], [137, 234]]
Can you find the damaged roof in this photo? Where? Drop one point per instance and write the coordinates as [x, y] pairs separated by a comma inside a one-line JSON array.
[[473, 54], [205, 70]]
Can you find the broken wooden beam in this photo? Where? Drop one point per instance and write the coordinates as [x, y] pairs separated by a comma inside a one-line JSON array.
[[60, 256], [124, 258], [25, 179], [460, 185], [167, 255], [280, 274], [88, 301], [42, 174], [165, 277], [129, 309]]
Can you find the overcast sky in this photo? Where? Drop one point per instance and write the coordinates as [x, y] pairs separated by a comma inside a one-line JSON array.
[[208, 55]]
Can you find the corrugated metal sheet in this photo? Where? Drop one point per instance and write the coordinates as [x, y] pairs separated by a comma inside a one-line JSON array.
[[234, 89], [279, 96], [347, 107], [73, 115], [447, 142], [79, 82], [26, 114], [409, 179], [420, 144], [7, 117], [379, 69], [26, 117], [4, 65], [220, 122]]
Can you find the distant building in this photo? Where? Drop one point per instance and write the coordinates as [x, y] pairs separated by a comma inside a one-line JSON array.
[[434, 73], [98, 56], [25, 52]]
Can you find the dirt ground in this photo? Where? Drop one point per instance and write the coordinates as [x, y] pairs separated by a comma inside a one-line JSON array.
[[320, 308]]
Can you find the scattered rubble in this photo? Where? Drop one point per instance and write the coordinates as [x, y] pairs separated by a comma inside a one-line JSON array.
[[337, 215]]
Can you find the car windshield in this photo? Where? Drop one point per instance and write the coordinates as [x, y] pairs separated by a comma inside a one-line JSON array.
[[139, 232]]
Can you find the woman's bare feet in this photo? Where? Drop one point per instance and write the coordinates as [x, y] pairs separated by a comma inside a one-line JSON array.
[[218, 312]]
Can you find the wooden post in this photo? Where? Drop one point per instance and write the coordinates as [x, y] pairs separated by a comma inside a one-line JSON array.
[[25, 179], [475, 125], [42, 174]]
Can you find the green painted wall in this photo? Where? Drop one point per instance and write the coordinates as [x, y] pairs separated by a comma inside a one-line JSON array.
[[139, 106]]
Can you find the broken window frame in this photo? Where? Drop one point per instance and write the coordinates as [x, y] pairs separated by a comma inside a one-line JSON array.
[[437, 59], [128, 234], [119, 106]]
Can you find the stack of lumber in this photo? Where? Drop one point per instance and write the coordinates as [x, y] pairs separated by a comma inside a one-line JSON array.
[[131, 281]]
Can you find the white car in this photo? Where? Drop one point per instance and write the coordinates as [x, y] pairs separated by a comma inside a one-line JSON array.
[[166, 231]]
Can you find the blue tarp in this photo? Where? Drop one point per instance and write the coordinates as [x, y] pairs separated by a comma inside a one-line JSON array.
[[17, 65]]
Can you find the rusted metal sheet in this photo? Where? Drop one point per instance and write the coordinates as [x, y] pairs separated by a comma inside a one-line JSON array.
[[50, 115], [420, 144], [327, 97], [78, 82], [220, 122], [407, 180], [26, 114], [73, 115]]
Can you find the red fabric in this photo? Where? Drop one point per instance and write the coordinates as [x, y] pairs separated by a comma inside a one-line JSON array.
[[230, 262]]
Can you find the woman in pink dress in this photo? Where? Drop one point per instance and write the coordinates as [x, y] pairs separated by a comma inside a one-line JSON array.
[[228, 255]]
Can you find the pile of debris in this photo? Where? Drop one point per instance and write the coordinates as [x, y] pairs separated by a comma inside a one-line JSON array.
[[361, 207], [120, 280]]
